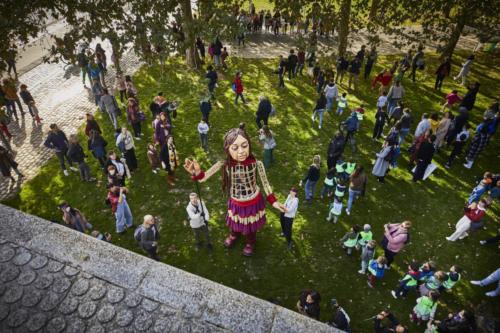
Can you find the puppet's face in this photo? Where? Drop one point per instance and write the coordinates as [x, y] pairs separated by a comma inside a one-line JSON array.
[[239, 149]]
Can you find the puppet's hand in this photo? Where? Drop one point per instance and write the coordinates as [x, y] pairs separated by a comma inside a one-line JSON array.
[[278, 206], [192, 167]]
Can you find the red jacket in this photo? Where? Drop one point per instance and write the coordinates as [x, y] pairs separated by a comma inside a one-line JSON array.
[[239, 85], [475, 215]]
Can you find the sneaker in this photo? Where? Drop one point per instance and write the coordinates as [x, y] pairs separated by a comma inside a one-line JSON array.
[[137, 138], [142, 134], [348, 212], [361, 272], [491, 294], [464, 235], [155, 171], [319, 127], [475, 282], [312, 118], [449, 239], [66, 173], [482, 242], [447, 166], [73, 169], [393, 293]]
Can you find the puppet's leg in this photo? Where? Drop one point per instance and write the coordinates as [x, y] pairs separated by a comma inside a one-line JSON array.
[[231, 239], [249, 247]]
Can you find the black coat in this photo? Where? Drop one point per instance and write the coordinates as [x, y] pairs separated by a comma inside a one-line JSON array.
[[336, 147], [75, 153], [148, 236], [264, 109], [6, 163], [426, 152]]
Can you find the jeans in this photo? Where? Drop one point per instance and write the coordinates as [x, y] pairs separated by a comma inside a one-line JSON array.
[[286, 227], [309, 188], [113, 118], [340, 111], [364, 265], [197, 235], [320, 113], [240, 95], [402, 135], [13, 102], [492, 278], [123, 216], [439, 82], [352, 196], [391, 105], [61, 155], [329, 103], [204, 141], [217, 61], [84, 171], [268, 157]]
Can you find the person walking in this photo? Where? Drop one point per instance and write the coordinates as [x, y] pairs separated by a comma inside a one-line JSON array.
[[418, 62], [212, 78], [370, 61], [111, 105], [396, 236], [117, 198], [464, 71], [380, 120], [286, 218], [292, 64], [149, 236], [134, 117], [406, 121], [266, 137], [58, 142], [460, 140], [198, 220], [395, 95], [203, 129], [97, 91], [9, 90], [312, 178], [424, 157], [354, 70], [331, 93], [263, 111], [442, 130], [7, 163], [442, 71], [357, 186], [238, 88], [120, 86], [492, 278], [125, 143], [335, 149], [469, 99], [319, 109], [477, 145], [91, 125], [28, 100], [76, 154], [382, 163]]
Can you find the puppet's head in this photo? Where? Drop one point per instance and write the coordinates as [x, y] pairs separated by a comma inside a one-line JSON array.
[[237, 144]]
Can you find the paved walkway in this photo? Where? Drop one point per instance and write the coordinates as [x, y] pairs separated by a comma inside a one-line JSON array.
[[61, 98]]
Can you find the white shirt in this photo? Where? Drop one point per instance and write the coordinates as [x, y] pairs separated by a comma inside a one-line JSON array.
[[127, 139], [422, 127], [194, 212], [331, 92], [381, 101], [203, 128], [291, 205]]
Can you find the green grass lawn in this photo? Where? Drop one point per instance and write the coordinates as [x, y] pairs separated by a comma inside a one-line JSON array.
[[317, 261]]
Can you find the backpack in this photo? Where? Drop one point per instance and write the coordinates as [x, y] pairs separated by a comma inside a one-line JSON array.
[[138, 232], [233, 87]]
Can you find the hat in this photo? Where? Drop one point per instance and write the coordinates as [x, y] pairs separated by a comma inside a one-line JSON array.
[[367, 227], [293, 189]]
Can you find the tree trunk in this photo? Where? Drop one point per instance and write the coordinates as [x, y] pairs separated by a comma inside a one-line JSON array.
[[374, 11], [449, 47], [345, 13], [192, 59], [116, 54]]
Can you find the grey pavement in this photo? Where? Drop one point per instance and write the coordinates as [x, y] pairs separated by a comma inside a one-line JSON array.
[[62, 99]]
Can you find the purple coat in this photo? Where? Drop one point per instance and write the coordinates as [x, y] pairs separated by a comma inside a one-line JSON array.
[[160, 136], [396, 237]]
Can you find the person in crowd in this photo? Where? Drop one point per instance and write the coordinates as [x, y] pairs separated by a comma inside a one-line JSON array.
[[396, 236], [352, 125], [452, 278], [97, 91], [169, 159], [309, 304], [340, 319], [460, 322], [350, 238], [320, 79], [394, 96], [426, 271], [342, 104], [354, 70], [117, 170], [396, 113], [477, 145], [76, 154], [203, 129], [91, 125], [224, 54], [238, 88], [418, 62], [406, 122], [74, 218], [266, 137], [470, 97], [423, 126], [9, 90], [216, 51], [58, 142], [100, 56], [290, 208], [149, 237], [120, 86], [474, 213], [205, 108], [328, 184], [408, 282], [492, 278], [426, 307], [383, 78], [281, 72], [376, 270], [331, 93], [451, 99], [384, 158], [342, 65], [153, 158], [11, 60], [312, 178], [125, 143], [357, 186], [111, 105], [442, 72], [458, 124], [482, 187], [319, 109], [292, 64], [83, 62], [200, 46], [5, 135], [442, 130], [367, 253], [117, 198], [301, 56], [134, 117], [7, 163], [370, 61], [97, 145], [212, 79], [263, 111], [394, 327], [435, 282], [365, 236], [464, 71], [424, 157], [131, 91], [27, 98], [380, 120], [198, 220]]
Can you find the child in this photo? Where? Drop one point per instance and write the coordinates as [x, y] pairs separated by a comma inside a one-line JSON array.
[[341, 186], [364, 236], [481, 188], [426, 271], [203, 131], [360, 112], [433, 283], [153, 158], [452, 278], [342, 104], [366, 255], [223, 56], [408, 282], [350, 239], [376, 270], [328, 183], [425, 308], [460, 141], [451, 99], [382, 100], [34, 113], [335, 210]]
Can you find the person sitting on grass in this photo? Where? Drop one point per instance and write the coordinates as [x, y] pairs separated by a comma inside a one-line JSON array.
[[474, 213]]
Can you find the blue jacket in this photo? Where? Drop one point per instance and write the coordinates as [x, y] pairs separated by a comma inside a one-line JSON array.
[[57, 141], [352, 123]]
